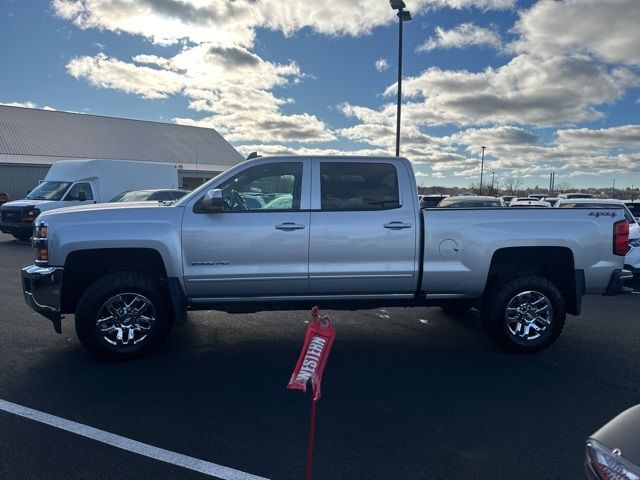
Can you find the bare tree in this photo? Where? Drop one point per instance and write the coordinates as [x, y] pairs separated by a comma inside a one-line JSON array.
[[563, 187], [512, 184]]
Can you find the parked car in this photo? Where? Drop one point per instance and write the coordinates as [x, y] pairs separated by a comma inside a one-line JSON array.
[[507, 199], [613, 452], [575, 195], [538, 197], [79, 182], [161, 195], [353, 232], [552, 201], [431, 201], [4, 198], [634, 208], [529, 202], [469, 201]]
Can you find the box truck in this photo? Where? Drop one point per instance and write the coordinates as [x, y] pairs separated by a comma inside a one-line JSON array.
[[78, 182]]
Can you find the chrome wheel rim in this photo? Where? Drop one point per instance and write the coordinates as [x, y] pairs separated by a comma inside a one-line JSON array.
[[126, 320], [529, 315]]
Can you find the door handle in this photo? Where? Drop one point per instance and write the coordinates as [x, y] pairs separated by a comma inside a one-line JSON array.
[[397, 225], [289, 226]]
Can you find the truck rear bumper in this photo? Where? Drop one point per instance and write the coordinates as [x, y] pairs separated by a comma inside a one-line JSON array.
[[617, 281], [42, 290]]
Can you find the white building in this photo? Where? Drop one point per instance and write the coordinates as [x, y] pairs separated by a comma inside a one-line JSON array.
[[31, 140]]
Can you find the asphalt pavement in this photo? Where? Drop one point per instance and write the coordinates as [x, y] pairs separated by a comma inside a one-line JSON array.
[[407, 394]]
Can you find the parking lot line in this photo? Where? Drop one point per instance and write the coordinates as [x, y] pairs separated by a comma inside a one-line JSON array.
[[129, 445]]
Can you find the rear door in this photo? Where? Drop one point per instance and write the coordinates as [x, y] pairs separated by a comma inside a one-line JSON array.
[[363, 229], [252, 252]]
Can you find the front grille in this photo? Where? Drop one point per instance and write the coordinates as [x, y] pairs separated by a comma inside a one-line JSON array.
[[11, 215]]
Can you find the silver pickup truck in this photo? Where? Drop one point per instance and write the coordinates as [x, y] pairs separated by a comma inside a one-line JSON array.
[[280, 233]]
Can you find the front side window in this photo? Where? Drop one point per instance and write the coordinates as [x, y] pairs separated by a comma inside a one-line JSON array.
[[358, 186], [273, 186], [74, 192]]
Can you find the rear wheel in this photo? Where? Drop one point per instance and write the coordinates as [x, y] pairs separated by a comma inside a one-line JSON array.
[[122, 316], [524, 315]]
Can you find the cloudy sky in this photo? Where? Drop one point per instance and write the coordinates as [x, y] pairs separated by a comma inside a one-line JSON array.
[[545, 85]]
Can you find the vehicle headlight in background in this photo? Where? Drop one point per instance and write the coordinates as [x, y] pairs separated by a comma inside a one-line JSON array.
[[41, 243], [29, 214], [610, 464]]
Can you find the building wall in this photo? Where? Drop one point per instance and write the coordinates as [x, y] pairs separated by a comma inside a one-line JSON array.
[[17, 180]]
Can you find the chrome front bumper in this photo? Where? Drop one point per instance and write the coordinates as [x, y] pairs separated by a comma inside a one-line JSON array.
[[42, 291]]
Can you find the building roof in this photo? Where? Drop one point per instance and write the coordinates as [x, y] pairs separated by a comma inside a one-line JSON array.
[[34, 136]]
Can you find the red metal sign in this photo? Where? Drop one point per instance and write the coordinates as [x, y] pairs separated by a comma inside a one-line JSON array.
[[314, 354]]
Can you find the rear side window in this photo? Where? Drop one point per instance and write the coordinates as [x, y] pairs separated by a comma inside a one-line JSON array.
[[358, 186]]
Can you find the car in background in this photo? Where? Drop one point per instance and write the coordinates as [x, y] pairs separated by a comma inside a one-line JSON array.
[[431, 201], [471, 201], [575, 195], [507, 199], [254, 201], [634, 208], [632, 258], [538, 196], [4, 198], [552, 200], [161, 195], [529, 202]]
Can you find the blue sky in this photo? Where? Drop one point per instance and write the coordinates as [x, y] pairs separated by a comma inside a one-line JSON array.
[[544, 85]]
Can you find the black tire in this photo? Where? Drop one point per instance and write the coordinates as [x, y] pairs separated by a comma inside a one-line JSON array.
[[130, 285], [494, 314], [21, 238]]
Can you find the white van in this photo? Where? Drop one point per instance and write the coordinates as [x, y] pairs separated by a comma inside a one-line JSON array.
[[77, 182]]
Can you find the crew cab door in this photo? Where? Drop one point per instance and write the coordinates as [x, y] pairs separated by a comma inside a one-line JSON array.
[[364, 230], [259, 244]]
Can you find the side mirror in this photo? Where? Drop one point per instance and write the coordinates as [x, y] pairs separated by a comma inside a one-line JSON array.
[[212, 201], [82, 196], [613, 451]]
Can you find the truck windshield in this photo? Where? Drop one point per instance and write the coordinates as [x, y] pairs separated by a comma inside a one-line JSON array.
[[49, 191]]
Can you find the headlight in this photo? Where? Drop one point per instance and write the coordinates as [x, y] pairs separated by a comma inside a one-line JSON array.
[[29, 214], [610, 464], [41, 243]]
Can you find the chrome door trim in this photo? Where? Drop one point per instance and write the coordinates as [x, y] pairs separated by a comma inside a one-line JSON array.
[[289, 298], [245, 279]]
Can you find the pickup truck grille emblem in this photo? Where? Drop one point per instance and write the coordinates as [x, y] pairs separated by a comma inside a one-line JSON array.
[[215, 263]]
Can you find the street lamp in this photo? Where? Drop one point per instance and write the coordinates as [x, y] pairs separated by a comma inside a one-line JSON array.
[[403, 16], [482, 168]]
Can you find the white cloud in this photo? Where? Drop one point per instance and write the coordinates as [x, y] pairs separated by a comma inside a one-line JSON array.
[[607, 29], [27, 104], [224, 22], [462, 36], [382, 64]]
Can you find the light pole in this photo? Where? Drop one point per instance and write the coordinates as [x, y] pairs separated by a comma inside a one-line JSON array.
[[482, 168], [493, 176], [613, 190], [403, 16]]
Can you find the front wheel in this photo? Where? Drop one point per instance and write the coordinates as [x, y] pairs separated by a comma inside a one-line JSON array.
[[525, 315], [122, 315]]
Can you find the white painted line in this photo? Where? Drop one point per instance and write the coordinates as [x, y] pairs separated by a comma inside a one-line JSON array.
[[127, 444]]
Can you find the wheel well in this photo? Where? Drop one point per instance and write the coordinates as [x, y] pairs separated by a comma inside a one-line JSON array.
[[554, 263], [84, 267]]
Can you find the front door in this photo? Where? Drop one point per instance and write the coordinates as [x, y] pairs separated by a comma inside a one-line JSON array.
[[259, 245]]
